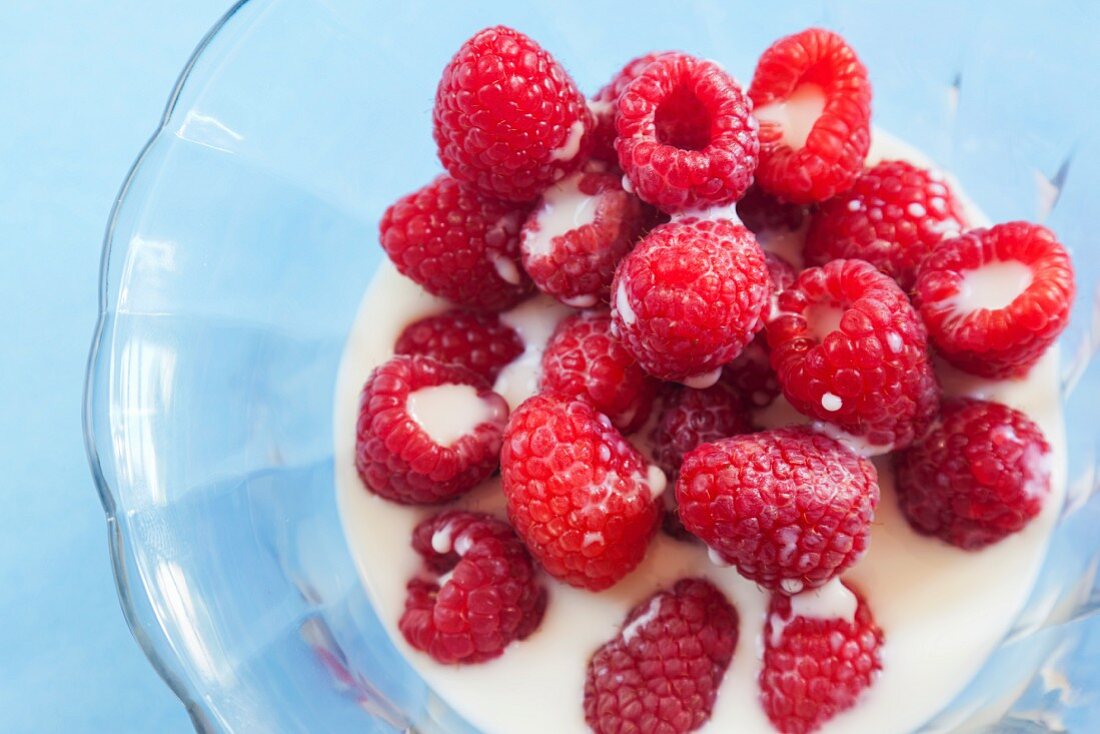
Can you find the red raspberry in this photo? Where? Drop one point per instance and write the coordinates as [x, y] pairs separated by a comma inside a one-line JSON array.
[[791, 508], [488, 595], [980, 475], [814, 72], [691, 418], [584, 360], [689, 297], [661, 674], [458, 245], [404, 460], [892, 217], [686, 138], [508, 119], [575, 237], [603, 106], [580, 496], [761, 212], [822, 649], [750, 374], [850, 350], [963, 294], [479, 342]]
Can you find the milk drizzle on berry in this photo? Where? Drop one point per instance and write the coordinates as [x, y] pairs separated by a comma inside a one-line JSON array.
[[934, 642]]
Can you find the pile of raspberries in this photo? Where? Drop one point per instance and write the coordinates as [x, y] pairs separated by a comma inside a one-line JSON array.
[[644, 208]]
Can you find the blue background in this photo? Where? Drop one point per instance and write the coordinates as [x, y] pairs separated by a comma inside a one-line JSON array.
[[82, 85]]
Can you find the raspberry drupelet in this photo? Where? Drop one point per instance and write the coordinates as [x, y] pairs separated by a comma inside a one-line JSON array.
[[480, 342], [812, 99], [578, 232], [689, 297], [508, 119], [822, 650], [994, 300], [686, 138], [584, 360], [482, 593], [661, 674], [458, 244], [401, 456], [579, 495], [851, 353], [790, 508], [980, 475], [892, 217]]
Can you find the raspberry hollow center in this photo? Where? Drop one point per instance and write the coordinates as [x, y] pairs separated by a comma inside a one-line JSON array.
[[448, 412], [796, 115], [682, 120], [993, 286], [822, 319]]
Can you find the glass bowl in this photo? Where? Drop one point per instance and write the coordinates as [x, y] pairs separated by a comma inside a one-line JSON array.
[[244, 237]]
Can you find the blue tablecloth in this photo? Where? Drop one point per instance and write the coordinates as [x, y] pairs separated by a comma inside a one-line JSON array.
[[82, 85]]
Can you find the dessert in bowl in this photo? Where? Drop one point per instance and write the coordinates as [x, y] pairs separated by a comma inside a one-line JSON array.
[[326, 639]]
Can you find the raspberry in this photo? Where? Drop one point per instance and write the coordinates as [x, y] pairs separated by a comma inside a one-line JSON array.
[[603, 106], [892, 217], [458, 245], [691, 418], [689, 297], [584, 360], [849, 350], [791, 508], [480, 342], [405, 460], [686, 138], [811, 74], [965, 295], [750, 374], [762, 212], [980, 475], [575, 237], [822, 649], [488, 595], [661, 674], [578, 494], [508, 119]]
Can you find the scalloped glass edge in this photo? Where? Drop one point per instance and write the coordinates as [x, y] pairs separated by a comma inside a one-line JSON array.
[[200, 717], [1050, 612]]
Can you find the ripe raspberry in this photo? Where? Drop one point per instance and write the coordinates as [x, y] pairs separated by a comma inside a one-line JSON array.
[[405, 460], [508, 119], [814, 71], [458, 245], [603, 106], [689, 297], [849, 350], [980, 475], [762, 212], [584, 360], [686, 138], [479, 342], [964, 291], [791, 508], [816, 666], [661, 674], [575, 237], [579, 495], [691, 418], [893, 215], [490, 596]]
